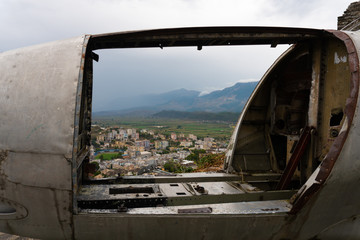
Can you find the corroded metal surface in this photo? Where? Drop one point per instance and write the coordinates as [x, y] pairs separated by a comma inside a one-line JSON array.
[[335, 150], [45, 102], [332, 207], [263, 207], [170, 194], [38, 88], [4, 236], [204, 36], [37, 102]]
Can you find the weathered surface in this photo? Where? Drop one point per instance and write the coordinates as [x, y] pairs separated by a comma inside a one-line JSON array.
[[45, 106], [350, 20], [4, 236], [38, 88], [37, 97]]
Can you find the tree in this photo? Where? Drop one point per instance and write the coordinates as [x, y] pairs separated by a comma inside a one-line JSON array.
[[95, 144], [174, 143], [124, 148], [195, 155], [170, 166], [165, 152], [97, 166]]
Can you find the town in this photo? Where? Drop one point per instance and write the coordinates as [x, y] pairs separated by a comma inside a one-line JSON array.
[[118, 151]]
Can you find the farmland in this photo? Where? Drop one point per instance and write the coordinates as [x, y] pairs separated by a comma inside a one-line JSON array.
[[217, 129]]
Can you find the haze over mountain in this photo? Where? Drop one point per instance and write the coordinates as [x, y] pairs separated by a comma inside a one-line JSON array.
[[231, 99]]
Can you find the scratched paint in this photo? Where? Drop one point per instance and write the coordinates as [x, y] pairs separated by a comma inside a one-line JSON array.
[[339, 59], [34, 130]]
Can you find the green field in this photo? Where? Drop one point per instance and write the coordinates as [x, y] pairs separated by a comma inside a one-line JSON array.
[[107, 156], [216, 129]]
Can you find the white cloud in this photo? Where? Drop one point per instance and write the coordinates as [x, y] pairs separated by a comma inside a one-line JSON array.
[[208, 90], [27, 22], [248, 80]]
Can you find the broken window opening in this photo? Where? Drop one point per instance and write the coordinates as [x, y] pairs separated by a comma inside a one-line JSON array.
[[269, 135], [149, 64]]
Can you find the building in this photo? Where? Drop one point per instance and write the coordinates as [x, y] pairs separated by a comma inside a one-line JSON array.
[[118, 144], [162, 137], [183, 154], [208, 142], [157, 144], [173, 136], [192, 137], [109, 136], [100, 138], [142, 143], [161, 144], [186, 143], [114, 133], [145, 154], [129, 131]]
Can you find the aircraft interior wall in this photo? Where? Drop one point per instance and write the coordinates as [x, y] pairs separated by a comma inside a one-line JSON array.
[[287, 128]]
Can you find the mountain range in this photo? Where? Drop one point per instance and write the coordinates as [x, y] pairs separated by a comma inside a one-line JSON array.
[[231, 99]]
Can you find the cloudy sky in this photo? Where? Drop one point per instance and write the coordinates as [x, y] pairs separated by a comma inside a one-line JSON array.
[[138, 71]]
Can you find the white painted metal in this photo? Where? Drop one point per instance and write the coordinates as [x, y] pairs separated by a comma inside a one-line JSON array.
[[38, 92], [37, 106]]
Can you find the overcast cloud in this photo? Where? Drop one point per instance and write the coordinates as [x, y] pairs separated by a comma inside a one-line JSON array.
[[135, 71]]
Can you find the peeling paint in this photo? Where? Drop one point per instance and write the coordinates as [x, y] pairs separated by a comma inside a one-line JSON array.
[[344, 127], [34, 181], [339, 59], [34, 130], [3, 157]]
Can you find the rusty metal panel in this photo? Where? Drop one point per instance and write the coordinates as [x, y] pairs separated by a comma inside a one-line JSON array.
[[37, 97], [244, 208], [330, 204], [294, 159], [204, 36], [234, 140], [33, 141], [315, 86]]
